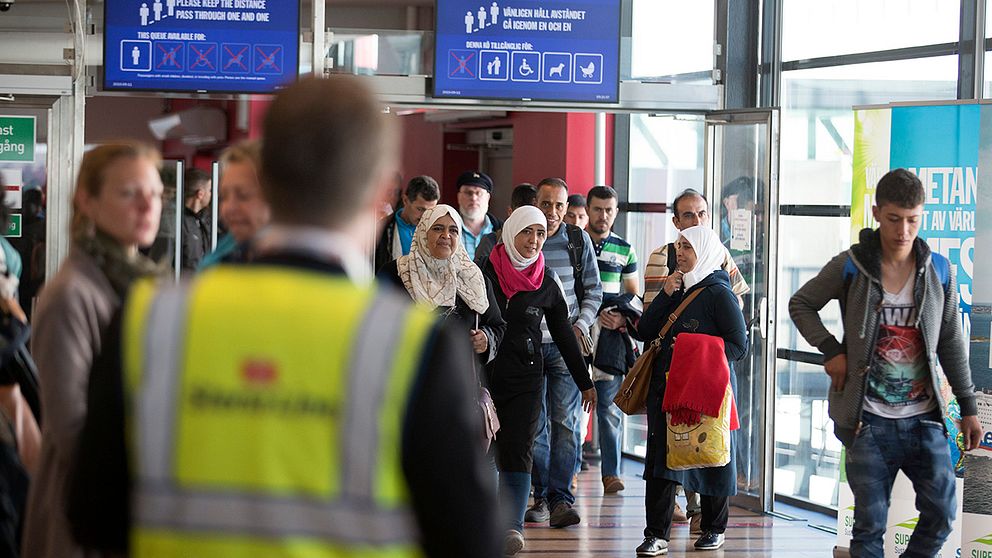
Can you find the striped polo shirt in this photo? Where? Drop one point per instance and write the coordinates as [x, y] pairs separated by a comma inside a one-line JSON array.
[[617, 262], [581, 312]]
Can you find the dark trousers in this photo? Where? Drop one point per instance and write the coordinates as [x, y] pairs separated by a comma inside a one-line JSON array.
[[659, 503]]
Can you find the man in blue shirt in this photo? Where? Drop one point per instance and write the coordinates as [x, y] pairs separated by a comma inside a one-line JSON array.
[[474, 191], [422, 193]]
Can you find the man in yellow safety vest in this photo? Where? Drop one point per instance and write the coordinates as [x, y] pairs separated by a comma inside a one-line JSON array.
[[288, 407]]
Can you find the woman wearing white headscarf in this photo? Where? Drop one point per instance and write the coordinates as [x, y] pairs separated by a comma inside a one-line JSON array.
[[438, 273], [527, 293], [713, 312]]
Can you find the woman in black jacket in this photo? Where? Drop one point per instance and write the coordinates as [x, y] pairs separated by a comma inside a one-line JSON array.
[[528, 292], [713, 312], [439, 273]]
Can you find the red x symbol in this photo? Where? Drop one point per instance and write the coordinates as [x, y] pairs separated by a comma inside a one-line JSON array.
[[170, 56], [235, 58], [462, 65], [202, 57], [267, 59]]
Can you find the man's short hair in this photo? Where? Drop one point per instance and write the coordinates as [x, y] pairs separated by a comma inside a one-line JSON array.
[[576, 200], [900, 188], [523, 194], [742, 187], [195, 180], [686, 194], [325, 143], [602, 193], [423, 187], [552, 181]]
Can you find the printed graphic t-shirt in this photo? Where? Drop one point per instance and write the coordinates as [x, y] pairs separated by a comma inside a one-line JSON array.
[[899, 384]]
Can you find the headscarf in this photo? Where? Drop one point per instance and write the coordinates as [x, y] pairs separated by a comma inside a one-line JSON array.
[[710, 254], [521, 218], [515, 272], [437, 282]]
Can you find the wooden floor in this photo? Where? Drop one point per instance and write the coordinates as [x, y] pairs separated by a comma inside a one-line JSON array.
[[612, 526]]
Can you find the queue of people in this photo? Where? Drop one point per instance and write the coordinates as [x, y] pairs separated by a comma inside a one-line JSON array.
[[227, 415]]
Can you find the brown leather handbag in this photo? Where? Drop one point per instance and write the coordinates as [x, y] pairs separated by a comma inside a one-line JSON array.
[[633, 395]]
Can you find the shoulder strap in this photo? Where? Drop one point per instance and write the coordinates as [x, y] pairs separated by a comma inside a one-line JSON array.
[[674, 316], [576, 247], [672, 262]]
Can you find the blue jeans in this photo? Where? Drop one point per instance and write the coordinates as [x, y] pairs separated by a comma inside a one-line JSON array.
[[609, 418], [917, 446], [558, 447]]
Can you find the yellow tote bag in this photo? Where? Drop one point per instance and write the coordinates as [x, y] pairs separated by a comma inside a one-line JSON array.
[[706, 444]]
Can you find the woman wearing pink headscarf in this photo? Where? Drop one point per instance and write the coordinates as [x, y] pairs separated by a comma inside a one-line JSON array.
[[527, 292]]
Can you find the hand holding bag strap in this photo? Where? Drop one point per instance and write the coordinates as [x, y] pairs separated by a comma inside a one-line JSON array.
[[632, 398]]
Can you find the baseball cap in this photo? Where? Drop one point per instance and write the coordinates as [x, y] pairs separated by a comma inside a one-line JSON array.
[[475, 178]]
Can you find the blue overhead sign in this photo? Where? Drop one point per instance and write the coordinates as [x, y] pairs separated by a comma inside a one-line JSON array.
[[237, 46], [562, 50]]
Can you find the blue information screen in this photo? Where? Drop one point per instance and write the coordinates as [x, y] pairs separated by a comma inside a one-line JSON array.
[[236, 46], [560, 50]]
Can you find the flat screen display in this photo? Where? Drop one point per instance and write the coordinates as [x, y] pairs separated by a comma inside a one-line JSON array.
[[553, 50], [224, 46]]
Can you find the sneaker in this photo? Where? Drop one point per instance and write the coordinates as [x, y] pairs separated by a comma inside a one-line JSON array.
[[652, 547], [696, 524], [513, 543], [679, 516], [709, 541], [612, 485], [564, 515], [538, 513]]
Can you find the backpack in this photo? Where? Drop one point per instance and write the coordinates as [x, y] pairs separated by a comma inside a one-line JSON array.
[[576, 247]]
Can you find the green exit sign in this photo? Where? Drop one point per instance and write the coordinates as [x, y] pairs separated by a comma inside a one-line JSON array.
[[17, 138], [13, 226]]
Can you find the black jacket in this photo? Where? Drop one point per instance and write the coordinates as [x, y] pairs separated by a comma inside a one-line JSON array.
[[384, 247], [441, 447], [491, 322], [519, 364], [196, 237]]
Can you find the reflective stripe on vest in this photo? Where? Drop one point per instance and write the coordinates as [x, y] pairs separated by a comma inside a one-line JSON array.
[[267, 410]]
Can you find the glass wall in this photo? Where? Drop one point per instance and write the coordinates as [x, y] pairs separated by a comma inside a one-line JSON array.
[[662, 28], [815, 186]]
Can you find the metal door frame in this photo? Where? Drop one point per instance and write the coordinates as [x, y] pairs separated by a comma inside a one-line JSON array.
[[767, 307]]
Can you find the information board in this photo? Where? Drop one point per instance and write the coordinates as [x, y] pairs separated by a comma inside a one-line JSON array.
[[555, 50], [235, 46]]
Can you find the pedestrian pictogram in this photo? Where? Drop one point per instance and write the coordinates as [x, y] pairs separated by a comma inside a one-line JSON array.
[[202, 57], [136, 56], [268, 59], [496, 65], [462, 64], [235, 58], [169, 56]]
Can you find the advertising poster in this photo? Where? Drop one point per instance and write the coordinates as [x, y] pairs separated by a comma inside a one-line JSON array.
[[872, 129], [977, 534]]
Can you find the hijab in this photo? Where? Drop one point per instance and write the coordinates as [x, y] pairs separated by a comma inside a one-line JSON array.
[[710, 254], [515, 272], [435, 282]]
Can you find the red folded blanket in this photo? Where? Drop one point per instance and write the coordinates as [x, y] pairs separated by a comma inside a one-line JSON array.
[[698, 380]]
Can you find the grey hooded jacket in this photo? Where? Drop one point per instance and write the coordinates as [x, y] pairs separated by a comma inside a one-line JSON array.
[[854, 279]]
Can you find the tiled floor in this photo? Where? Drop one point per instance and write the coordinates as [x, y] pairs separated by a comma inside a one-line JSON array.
[[612, 527]]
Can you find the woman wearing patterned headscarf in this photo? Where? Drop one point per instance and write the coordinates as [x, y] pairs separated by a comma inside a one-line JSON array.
[[528, 293], [438, 273]]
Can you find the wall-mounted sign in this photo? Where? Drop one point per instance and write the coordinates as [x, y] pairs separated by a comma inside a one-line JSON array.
[[559, 50], [237, 46], [17, 137]]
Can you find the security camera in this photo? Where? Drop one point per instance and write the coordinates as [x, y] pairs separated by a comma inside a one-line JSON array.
[[5, 5]]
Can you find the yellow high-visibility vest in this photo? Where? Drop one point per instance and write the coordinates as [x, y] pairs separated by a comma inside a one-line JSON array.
[[264, 416]]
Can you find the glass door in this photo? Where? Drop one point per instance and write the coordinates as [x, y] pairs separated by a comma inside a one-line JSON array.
[[741, 177]]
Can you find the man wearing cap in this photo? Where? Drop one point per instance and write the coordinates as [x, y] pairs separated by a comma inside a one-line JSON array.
[[474, 190]]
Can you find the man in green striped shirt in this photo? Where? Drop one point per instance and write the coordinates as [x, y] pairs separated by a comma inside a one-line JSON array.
[[618, 273]]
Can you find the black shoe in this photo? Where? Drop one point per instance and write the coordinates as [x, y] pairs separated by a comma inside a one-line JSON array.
[[564, 515], [584, 466], [652, 547], [709, 541], [538, 513]]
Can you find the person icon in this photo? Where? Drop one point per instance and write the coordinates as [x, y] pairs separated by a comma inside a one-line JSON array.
[[469, 22], [525, 69], [494, 13], [171, 5], [135, 56], [482, 17], [157, 7], [497, 64], [143, 12]]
